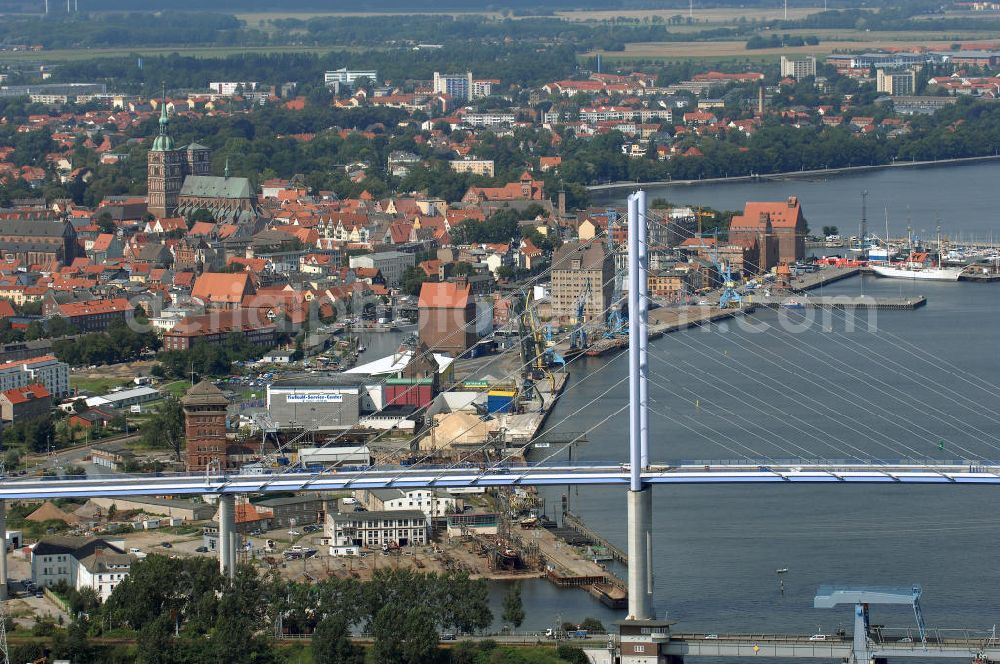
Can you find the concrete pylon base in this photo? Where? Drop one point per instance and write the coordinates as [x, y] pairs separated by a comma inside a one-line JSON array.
[[640, 548]]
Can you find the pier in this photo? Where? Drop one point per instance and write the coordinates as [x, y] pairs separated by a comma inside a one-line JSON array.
[[574, 522], [822, 277], [865, 302]]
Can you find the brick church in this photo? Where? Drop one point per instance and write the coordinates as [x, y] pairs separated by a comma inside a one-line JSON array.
[[179, 182]]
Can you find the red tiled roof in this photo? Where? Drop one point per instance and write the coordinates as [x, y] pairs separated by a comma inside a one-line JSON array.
[[222, 287], [93, 307], [444, 295], [19, 395]]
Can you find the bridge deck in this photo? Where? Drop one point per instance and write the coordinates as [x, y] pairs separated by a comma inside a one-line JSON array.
[[389, 477], [802, 646]]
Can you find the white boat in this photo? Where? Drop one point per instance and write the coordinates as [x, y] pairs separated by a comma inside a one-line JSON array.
[[912, 270], [919, 265]]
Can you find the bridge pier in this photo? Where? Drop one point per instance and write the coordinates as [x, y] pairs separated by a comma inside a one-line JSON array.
[[640, 550], [227, 535]]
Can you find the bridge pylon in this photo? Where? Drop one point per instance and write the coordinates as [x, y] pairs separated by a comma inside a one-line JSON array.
[[640, 499]]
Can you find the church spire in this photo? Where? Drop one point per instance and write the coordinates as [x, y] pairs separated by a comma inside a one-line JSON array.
[[163, 111], [163, 142]]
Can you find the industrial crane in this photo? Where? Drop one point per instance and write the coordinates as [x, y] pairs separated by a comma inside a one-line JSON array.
[[578, 338], [537, 360], [730, 296], [617, 322]]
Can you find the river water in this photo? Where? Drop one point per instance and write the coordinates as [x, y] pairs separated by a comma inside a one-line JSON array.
[[919, 384], [960, 197]]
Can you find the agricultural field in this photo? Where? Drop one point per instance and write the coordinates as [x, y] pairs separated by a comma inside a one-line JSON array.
[[715, 16], [831, 41], [192, 51]]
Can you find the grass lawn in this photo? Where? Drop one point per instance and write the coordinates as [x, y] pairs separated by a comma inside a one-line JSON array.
[[96, 386], [176, 388]]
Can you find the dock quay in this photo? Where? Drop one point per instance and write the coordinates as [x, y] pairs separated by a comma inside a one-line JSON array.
[[565, 566], [820, 278], [574, 522], [840, 302], [665, 320]]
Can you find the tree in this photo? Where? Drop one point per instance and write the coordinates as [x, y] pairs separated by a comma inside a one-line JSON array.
[[513, 609], [155, 644], [404, 636], [331, 643], [413, 279], [166, 427], [571, 654], [830, 230]]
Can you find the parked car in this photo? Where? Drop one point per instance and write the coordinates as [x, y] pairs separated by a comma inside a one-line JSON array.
[[201, 549]]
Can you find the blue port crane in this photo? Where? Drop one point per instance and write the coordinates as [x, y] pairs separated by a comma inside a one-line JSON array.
[[617, 321], [578, 337], [730, 296]]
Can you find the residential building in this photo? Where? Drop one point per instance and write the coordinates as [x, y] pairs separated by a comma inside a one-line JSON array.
[[351, 531], [525, 189], [95, 315], [213, 328], [484, 87], [458, 86], [432, 502], [400, 162], [80, 563], [447, 316], [293, 510], [46, 370], [492, 119], [224, 290], [114, 455], [102, 570], [205, 426], [345, 76], [24, 403], [392, 265], [230, 88], [895, 82], [798, 67], [474, 166], [577, 267]]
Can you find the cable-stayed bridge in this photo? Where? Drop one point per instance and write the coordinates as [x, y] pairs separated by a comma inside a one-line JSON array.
[[644, 639], [609, 474]]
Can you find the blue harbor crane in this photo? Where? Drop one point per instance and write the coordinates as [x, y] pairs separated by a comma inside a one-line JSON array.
[[617, 320], [578, 337]]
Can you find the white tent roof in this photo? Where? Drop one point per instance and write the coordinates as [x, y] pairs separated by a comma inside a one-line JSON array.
[[395, 363]]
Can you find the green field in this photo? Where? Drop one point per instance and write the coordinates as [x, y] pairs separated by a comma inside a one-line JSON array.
[[96, 386], [176, 388], [191, 51]]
